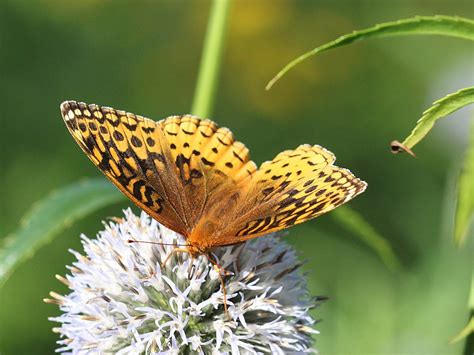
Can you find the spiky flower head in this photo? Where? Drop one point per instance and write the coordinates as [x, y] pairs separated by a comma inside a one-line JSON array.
[[124, 300]]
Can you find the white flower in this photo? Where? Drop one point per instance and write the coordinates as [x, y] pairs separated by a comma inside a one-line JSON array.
[[124, 301]]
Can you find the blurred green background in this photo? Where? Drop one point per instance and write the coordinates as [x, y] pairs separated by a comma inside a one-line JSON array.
[[143, 56]]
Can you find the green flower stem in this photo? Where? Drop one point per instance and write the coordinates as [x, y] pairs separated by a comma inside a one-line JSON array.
[[211, 59]]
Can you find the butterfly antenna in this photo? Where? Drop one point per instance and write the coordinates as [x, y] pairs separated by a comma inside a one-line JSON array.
[[157, 243]]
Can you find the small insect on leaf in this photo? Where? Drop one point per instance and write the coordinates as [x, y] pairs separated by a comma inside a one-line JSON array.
[[397, 147]]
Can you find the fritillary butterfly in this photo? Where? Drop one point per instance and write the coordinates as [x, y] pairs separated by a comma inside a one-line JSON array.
[[194, 178]]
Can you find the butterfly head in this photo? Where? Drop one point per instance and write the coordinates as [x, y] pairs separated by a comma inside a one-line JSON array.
[[195, 250]]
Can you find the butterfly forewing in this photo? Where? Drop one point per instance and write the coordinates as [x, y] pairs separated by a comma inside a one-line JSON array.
[[172, 169], [115, 142]]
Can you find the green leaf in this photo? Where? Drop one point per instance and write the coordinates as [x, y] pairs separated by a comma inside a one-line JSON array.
[[356, 224], [50, 216], [440, 108], [465, 195], [420, 25]]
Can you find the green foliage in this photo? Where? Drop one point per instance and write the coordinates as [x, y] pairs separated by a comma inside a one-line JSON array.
[[469, 328], [52, 215], [465, 197], [358, 226], [419, 25], [440, 108]]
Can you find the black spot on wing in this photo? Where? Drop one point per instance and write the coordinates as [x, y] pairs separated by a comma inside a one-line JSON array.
[[207, 162]]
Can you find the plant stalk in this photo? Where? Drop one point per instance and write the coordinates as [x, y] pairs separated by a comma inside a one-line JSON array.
[[211, 59]]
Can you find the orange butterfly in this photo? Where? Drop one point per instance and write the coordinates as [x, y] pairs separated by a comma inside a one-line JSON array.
[[194, 178]]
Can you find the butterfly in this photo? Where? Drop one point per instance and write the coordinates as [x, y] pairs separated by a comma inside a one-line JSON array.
[[193, 177]]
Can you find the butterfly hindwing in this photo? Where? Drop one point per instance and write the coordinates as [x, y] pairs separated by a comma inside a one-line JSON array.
[[294, 187]]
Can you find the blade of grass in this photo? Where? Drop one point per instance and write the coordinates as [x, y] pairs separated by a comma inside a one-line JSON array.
[[465, 194], [358, 226], [50, 216], [211, 59], [469, 328], [465, 332], [440, 108], [420, 25]]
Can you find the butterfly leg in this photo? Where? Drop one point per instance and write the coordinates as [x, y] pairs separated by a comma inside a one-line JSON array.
[[222, 272], [174, 251]]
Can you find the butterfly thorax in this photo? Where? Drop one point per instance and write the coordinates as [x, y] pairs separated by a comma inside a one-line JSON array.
[[203, 238]]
